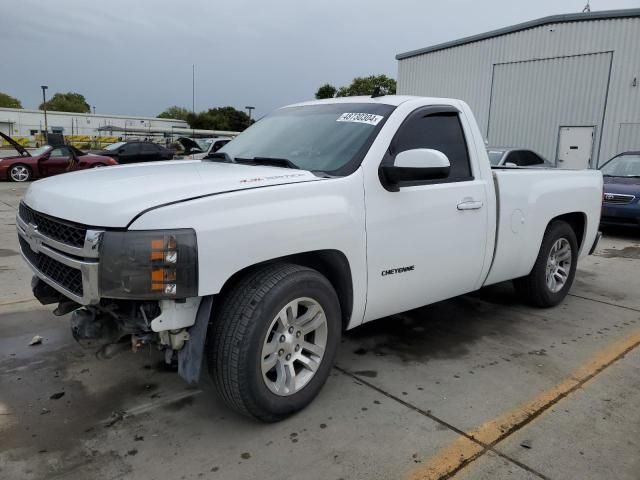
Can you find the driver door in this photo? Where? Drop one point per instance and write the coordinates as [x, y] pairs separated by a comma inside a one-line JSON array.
[[59, 161], [426, 241]]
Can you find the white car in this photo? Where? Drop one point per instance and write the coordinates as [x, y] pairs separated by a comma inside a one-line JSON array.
[[321, 217], [516, 157], [205, 146]]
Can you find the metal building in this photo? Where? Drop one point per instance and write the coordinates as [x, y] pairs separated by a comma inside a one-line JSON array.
[[27, 124], [567, 86]]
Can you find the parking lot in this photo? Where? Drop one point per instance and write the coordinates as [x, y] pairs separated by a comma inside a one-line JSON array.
[[478, 387]]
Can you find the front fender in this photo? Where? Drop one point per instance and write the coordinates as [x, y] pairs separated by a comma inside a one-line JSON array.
[[239, 229]]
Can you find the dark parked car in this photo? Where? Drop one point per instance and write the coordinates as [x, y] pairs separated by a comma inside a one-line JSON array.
[[47, 161], [137, 151], [515, 157], [621, 196]]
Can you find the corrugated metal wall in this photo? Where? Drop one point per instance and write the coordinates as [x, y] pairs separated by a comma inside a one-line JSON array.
[[531, 100], [467, 72], [629, 137]]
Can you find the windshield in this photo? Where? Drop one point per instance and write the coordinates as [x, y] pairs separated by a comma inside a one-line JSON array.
[[327, 138], [203, 143], [114, 146], [495, 156], [40, 151], [623, 166]]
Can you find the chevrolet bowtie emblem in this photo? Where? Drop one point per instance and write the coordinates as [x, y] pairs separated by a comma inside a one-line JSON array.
[[32, 233]]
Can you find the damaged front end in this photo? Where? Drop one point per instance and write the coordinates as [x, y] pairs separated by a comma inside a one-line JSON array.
[[125, 289], [178, 328]]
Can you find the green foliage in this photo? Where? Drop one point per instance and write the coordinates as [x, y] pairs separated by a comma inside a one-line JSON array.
[[359, 86], [366, 86], [179, 113], [67, 102], [7, 101], [221, 118], [326, 91]]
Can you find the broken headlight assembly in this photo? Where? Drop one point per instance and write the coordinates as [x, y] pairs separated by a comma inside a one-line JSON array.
[[149, 265]]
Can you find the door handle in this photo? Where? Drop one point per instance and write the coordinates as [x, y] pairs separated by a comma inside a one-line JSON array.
[[470, 205]]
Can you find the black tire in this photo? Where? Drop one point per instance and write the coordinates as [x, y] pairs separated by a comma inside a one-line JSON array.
[[239, 329], [26, 169], [533, 288]]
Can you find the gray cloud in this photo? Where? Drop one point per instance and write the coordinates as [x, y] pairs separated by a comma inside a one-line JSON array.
[[135, 57]]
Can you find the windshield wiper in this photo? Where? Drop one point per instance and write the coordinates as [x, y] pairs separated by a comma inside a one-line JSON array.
[[270, 161]]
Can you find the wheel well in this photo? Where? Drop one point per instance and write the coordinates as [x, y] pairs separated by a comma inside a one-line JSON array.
[[333, 264], [577, 221]]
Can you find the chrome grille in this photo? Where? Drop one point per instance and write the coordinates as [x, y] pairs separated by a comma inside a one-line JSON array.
[[65, 276], [61, 253], [617, 198], [54, 228]]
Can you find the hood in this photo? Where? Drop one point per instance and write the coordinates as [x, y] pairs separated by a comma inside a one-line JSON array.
[[113, 196], [189, 144], [625, 185], [21, 150]]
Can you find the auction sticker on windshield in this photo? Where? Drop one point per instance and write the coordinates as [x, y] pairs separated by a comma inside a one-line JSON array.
[[369, 118]]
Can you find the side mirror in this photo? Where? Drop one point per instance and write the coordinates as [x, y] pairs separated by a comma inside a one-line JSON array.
[[510, 164], [121, 151], [415, 165]]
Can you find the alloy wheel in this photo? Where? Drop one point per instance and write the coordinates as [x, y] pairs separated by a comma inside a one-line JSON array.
[[294, 346], [19, 173], [558, 265]]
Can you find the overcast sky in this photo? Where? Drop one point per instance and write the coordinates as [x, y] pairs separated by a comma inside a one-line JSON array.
[[134, 56]]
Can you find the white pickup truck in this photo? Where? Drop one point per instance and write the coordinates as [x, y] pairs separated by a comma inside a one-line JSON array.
[[320, 217]]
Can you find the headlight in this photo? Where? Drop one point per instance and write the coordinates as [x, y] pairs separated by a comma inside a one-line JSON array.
[[149, 265]]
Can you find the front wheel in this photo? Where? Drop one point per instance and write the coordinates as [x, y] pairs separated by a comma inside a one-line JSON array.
[[273, 343], [20, 173], [552, 275]]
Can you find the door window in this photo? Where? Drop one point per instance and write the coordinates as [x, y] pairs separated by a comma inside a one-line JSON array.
[[439, 131], [149, 148], [131, 148], [60, 152]]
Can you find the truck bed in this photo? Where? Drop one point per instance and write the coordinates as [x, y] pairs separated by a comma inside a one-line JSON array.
[[527, 198]]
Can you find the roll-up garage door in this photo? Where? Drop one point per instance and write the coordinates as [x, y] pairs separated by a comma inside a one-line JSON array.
[[531, 100]]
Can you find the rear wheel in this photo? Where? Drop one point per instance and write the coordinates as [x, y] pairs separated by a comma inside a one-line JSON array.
[[271, 347], [552, 275], [20, 173]]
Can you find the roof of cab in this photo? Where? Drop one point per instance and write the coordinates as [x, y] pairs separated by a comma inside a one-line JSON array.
[[393, 100]]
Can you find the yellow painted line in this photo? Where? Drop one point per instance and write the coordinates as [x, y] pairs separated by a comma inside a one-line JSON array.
[[465, 449], [450, 459]]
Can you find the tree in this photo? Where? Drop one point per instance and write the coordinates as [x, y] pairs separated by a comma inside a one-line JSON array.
[[326, 91], [67, 102], [366, 86], [7, 101], [179, 113], [359, 86], [221, 118]]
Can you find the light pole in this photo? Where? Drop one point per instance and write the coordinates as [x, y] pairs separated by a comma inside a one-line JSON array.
[[44, 107], [249, 112], [94, 109]]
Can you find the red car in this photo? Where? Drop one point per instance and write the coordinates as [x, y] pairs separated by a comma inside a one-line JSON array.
[[47, 161]]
